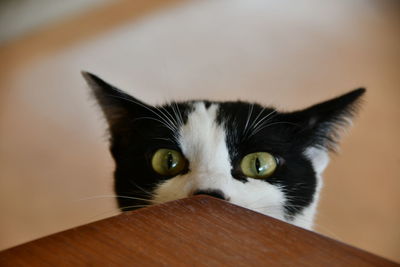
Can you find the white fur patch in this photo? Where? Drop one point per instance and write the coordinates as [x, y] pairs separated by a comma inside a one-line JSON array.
[[319, 158], [203, 143]]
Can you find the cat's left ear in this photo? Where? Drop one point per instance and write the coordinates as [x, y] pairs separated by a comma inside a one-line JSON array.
[[320, 125], [118, 107]]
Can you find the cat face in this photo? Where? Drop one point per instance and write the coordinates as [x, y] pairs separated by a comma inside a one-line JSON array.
[[252, 156]]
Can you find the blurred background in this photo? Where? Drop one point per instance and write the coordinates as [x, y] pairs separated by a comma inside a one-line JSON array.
[[55, 169]]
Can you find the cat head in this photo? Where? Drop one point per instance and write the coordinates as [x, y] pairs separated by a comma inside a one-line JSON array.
[[250, 155]]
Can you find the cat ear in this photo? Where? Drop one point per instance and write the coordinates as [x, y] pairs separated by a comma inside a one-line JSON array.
[[116, 105], [320, 125]]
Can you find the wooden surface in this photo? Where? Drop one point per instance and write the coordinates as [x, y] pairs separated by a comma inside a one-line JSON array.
[[200, 231]]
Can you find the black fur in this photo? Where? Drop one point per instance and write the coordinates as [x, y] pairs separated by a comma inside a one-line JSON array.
[[136, 132], [294, 174], [287, 136]]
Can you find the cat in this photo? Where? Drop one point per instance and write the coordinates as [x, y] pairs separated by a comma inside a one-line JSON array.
[[250, 155]]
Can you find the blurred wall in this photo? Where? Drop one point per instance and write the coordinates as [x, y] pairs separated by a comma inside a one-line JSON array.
[[19, 17], [55, 169]]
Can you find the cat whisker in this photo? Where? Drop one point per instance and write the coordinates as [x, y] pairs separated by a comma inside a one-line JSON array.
[[174, 115], [149, 194], [157, 120], [256, 201], [162, 118], [177, 112], [264, 119], [104, 214], [255, 120], [171, 118], [248, 119], [271, 124], [111, 196], [167, 118]]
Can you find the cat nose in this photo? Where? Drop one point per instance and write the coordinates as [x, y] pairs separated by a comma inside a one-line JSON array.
[[211, 192]]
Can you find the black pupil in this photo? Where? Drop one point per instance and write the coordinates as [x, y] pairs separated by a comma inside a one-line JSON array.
[[258, 165], [170, 161]]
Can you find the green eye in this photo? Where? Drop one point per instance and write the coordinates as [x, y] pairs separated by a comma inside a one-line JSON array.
[[168, 162], [259, 165]]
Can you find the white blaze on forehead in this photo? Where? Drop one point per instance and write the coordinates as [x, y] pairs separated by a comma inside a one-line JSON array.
[[203, 142]]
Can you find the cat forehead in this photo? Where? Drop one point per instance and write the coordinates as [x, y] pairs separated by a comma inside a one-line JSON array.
[[220, 112], [201, 125], [201, 128], [207, 121], [203, 139], [211, 127]]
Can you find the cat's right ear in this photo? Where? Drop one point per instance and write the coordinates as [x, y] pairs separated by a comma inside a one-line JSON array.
[[117, 106]]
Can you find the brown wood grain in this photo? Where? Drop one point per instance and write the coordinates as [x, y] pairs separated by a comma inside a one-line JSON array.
[[200, 231]]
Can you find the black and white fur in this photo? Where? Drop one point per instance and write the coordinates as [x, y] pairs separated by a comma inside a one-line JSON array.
[[214, 137]]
